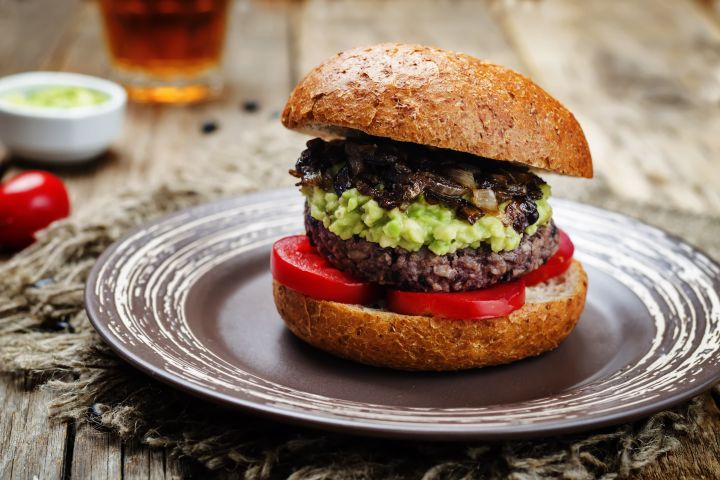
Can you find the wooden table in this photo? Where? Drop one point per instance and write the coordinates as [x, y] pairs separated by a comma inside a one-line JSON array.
[[642, 76]]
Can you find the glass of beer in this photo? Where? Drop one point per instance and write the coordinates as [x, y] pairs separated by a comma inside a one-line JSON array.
[[166, 51]]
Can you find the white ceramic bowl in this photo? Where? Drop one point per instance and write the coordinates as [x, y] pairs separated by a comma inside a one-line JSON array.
[[60, 134]]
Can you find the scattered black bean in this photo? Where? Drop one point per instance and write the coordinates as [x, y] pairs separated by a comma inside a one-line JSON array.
[[64, 325], [250, 106], [209, 126], [59, 326]]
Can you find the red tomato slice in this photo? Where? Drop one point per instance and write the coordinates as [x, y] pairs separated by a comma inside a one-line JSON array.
[[296, 264], [556, 265], [492, 302]]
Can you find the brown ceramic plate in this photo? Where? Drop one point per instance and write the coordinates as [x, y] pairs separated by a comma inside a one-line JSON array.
[[188, 299]]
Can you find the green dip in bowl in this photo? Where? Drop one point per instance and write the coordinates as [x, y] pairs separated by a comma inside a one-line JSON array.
[[56, 96]]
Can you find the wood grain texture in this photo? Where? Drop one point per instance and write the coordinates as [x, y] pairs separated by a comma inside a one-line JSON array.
[[140, 462], [96, 454], [642, 78], [32, 446], [325, 27], [31, 31]]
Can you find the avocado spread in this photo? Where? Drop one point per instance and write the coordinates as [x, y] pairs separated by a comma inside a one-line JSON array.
[[421, 223], [56, 96]]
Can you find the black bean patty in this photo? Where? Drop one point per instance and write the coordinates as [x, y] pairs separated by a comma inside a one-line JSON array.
[[466, 269]]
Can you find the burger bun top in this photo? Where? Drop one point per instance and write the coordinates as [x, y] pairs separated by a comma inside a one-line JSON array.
[[439, 98]]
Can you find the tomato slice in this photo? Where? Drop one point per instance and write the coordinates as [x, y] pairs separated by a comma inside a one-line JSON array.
[[297, 264], [496, 301], [556, 265]]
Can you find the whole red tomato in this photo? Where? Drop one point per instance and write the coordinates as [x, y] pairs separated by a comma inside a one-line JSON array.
[[30, 201]]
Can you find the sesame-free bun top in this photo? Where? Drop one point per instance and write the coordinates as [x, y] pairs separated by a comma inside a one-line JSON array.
[[439, 98]]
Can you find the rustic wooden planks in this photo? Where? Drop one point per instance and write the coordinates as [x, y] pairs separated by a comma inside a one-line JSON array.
[[142, 462], [96, 454], [325, 27], [642, 78], [32, 446], [31, 30]]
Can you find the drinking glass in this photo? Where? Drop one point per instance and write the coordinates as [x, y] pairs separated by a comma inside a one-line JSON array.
[[166, 51]]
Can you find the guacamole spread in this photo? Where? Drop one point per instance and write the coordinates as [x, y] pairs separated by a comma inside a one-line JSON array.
[[421, 223], [56, 96]]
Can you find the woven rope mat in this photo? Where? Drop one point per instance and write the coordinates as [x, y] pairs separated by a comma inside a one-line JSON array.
[[44, 331]]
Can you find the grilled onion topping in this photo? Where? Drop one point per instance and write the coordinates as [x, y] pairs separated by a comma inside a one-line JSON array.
[[394, 174]]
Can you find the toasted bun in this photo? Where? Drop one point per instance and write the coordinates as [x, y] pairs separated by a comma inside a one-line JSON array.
[[444, 99], [379, 337]]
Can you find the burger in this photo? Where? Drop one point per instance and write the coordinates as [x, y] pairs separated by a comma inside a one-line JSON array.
[[430, 242]]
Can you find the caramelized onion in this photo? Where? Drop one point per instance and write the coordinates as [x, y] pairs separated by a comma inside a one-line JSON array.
[[462, 176], [444, 186], [470, 214], [485, 199]]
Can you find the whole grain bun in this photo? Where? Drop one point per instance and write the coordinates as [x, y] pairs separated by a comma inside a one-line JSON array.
[[444, 99], [382, 338]]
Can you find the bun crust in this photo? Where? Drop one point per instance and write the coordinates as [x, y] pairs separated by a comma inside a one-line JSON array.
[[382, 338], [440, 98]]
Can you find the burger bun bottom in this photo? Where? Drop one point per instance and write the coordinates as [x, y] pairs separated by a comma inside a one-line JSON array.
[[407, 342]]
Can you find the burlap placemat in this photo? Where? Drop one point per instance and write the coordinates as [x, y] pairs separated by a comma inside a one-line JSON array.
[[44, 331]]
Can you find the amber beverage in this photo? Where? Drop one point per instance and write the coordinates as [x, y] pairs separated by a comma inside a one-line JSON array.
[[167, 51]]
